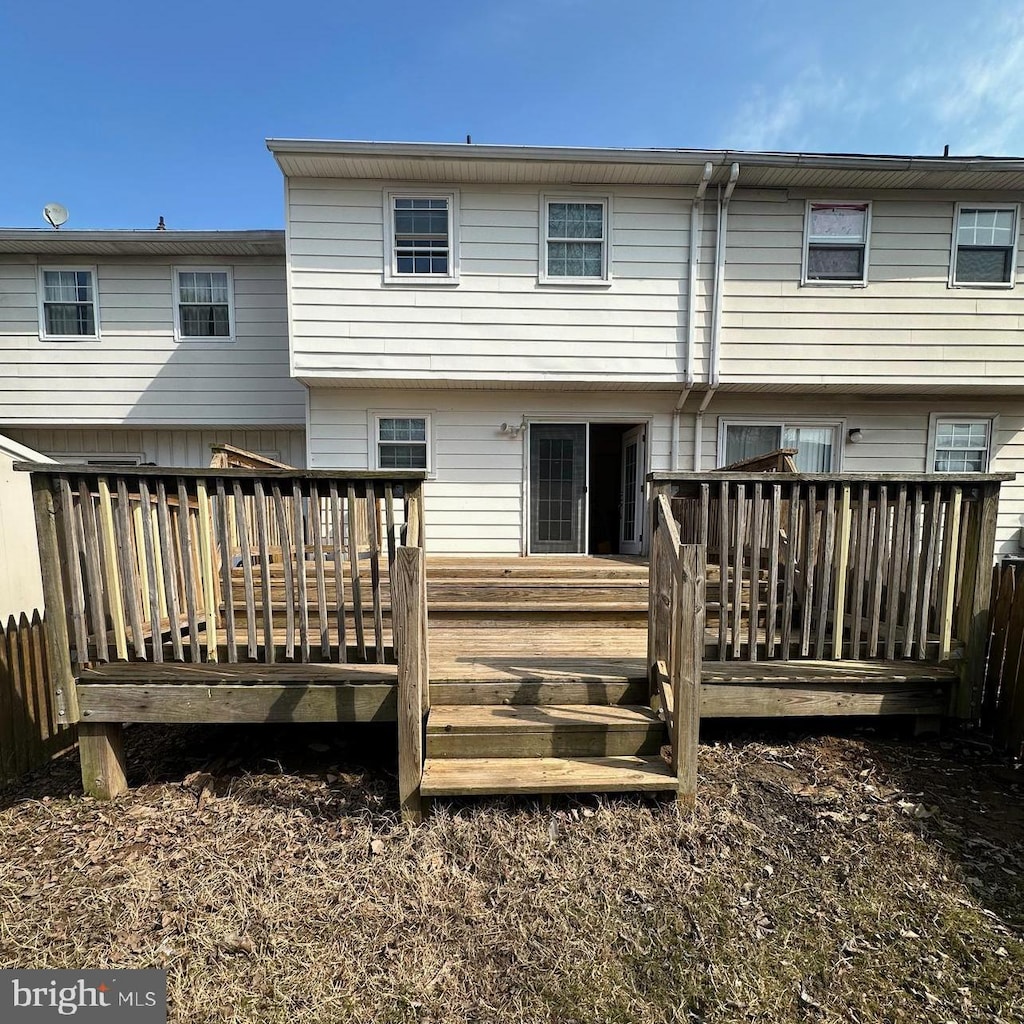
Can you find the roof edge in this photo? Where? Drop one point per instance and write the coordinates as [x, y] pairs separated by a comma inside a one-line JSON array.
[[682, 157]]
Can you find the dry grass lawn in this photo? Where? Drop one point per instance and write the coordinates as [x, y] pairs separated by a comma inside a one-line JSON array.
[[858, 878]]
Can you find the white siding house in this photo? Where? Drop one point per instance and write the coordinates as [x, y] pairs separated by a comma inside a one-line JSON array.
[[147, 346], [865, 309]]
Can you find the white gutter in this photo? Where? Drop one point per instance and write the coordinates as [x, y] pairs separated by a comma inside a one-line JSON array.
[[720, 247], [698, 428], [696, 208], [691, 157]]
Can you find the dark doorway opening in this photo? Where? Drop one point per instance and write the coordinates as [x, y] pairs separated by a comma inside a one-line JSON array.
[[605, 495]]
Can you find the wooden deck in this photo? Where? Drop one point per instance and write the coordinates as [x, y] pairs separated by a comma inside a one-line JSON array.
[[276, 595]]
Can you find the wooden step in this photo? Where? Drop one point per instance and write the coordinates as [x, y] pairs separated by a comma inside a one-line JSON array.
[[485, 776], [554, 730], [533, 691]]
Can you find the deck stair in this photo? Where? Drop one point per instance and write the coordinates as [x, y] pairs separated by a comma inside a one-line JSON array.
[[552, 730]]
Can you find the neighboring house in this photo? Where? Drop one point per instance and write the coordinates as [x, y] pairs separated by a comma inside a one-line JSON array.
[[146, 346], [20, 583], [538, 327]]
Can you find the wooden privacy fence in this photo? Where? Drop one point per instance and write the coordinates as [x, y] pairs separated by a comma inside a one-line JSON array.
[[675, 643], [1003, 704], [31, 729], [831, 566], [226, 565]]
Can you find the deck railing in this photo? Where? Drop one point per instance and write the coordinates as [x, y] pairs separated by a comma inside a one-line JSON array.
[[225, 564], [676, 643], [831, 566]]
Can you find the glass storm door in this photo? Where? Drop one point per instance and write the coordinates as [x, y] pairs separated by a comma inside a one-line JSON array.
[[558, 488], [631, 518]]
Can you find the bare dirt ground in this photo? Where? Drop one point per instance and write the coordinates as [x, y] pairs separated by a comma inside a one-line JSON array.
[[857, 877]]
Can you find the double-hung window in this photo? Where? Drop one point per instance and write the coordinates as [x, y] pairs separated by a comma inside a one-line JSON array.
[[836, 243], [68, 303], [961, 445], [985, 245], [402, 441], [816, 443], [203, 304], [421, 237], [576, 240]]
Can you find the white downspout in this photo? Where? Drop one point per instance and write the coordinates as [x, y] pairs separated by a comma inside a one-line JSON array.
[[696, 208], [698, 428], [677, 420], [720, 247]]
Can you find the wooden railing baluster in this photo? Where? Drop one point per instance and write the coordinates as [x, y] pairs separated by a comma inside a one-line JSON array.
[[337, 538]]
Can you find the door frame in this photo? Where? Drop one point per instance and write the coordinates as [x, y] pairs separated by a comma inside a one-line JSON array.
[[639, 488], [627, 421]]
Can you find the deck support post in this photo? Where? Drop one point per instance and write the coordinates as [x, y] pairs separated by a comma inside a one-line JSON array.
[[686, 668], [976, 596], [101, 749], [407, 581]]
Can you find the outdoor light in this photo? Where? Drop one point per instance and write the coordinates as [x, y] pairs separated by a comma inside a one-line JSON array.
[[855, 436]]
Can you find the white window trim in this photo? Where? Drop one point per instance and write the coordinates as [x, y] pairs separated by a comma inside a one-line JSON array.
[[374, 418], [819, 282], [187, 268], [41, 288], [606, 251], [391, 274], [838, 426], [935, 418], [1005, 285]]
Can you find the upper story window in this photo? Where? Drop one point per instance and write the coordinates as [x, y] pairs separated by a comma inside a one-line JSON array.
[[203, 306], [816, 443], [68, 303], [985, 245], [836, 243], [421, 237], [960, 444], [576, 241]]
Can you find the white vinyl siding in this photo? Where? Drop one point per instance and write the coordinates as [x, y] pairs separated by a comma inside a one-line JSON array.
[[906, 328], [475, 494], [498, 326], [138, 373]]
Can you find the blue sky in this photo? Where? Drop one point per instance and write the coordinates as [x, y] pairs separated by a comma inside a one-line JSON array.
[[125, 110]]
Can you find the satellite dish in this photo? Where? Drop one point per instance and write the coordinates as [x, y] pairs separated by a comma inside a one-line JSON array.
[[55, 214]]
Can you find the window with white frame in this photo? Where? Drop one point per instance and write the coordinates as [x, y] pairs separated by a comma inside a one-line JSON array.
[[985, 245], [816, 443], [68, 303], [836, 243], [421, 242], [403, 442], [203, 303], [575, 239], [961, 445]]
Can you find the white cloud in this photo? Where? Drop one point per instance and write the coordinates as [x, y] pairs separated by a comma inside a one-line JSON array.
[[961, 85]]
